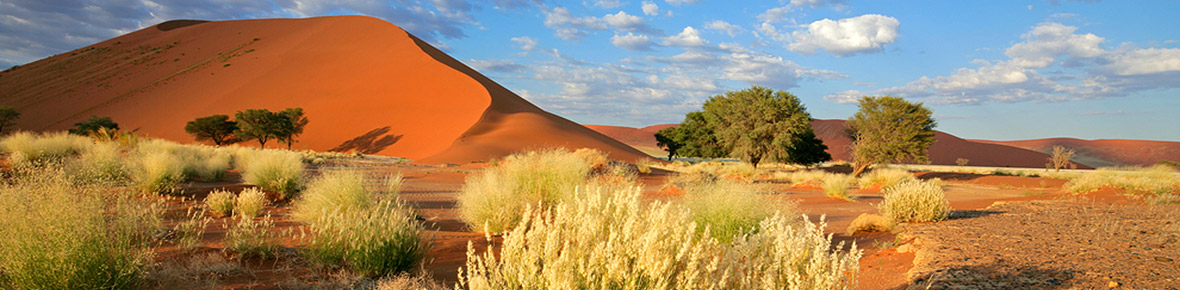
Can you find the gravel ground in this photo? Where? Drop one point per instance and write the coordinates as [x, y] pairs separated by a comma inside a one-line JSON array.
[[1048, 245]]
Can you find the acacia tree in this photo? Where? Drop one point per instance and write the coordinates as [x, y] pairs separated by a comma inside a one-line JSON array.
[[668, 140], [1060, 158], [808, 149], [757, 123], [216, 128], [291, 125], [889, 129], [93, 124], [8, 116], [260, 124]]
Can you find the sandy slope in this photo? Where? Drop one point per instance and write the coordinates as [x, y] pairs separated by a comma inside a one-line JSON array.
[[1104, 152], [365, 84], [945, 151], [640, 138]]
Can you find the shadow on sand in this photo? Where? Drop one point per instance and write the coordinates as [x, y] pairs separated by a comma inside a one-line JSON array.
[[369, 143]]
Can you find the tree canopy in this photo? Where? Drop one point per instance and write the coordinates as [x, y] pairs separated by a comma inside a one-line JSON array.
[[258, 124], [890, 129], [758, 123], [808, 149], [92, 124], [292, 126], [8, 116], [216, 128], [692, 138]]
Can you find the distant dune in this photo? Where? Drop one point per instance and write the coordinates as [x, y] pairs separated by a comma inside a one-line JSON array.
[[945, 151], [641, 138], [365, 84], [1104, 152]]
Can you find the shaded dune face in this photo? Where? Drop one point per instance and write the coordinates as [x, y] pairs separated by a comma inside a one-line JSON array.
[[1105, 152], [366, 86]]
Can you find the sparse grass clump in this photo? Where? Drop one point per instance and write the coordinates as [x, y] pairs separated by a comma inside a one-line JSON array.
[[837, 185], [497, 197], [29, 149], [1155, 180], [885, 177], [62, 235], [729, 208], [188, 232], [611, 240], [252, 237], [100, 164], [914, 201], [350, 227], [159, 172], [273, 170], [220, 203], [250, 202]]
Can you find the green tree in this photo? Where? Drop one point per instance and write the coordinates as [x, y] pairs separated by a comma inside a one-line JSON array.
[[259, 124], [92, 124], [696, 138], [668, 140], [757, 123], [808, 149], [216, 128], [8, 116], [292, 125], [889, 129]]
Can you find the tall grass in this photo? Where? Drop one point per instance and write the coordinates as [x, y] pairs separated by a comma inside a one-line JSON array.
[[349, 226], [220, 203], [29, 149], [915, 201], [838, 185], [159, 172], [250, 202], [252, 237], [63, 235], [101, 163], [497, 197], [885, 177], [729, 208], [1155, 180], [611, 240], [272, 170]]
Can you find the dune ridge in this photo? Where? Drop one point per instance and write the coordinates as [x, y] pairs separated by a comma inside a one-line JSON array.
[[1104, 152], [366, 85]]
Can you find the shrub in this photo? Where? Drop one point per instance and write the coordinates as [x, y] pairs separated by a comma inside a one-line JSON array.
[[393, 183], [252, 238], [333, 191], [1155, 180], [159, 172], [30, 149], [885, 176], [271, 170], [611, 240], [728, 208], [59, 235], [914, 201], [100, 164], [220, 202], [836, 185], [250, 202], [867, 222], [212, 166], [494, 199]]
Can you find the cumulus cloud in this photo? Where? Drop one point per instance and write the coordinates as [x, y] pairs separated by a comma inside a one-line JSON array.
[[631, 41], [680, 2], [609, 4], [570, 27], [627, 22], [1053, 63], [525, 42], [650, 8], [689, 37], [723, 26], [846, 37]]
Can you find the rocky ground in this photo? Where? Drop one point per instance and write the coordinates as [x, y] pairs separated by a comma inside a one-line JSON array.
[[1048, 244]]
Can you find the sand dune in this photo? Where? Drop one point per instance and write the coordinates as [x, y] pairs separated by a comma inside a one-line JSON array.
[[365, 84], [640, 138], [1104, 152], [945, 151]]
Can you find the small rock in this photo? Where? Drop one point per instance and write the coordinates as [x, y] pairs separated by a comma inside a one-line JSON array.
[[1163, 259], [1112, 284]]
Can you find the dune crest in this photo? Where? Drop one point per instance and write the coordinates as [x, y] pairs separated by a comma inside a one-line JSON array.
[[365, 84]]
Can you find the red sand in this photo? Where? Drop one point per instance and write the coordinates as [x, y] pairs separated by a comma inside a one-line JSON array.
[[1104, 152], [365, 84]]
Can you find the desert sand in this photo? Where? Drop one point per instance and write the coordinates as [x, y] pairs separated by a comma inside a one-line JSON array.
[[1104, 152]]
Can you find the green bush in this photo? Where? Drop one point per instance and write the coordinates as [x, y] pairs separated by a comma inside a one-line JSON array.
[[59, 235], [334, 191], [493, 200], [915, 201]]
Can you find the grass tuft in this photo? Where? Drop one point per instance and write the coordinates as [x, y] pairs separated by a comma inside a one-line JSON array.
[[250, 202], [915, 201], [273, 170], [493, 200], [729, 209], [220, 203]]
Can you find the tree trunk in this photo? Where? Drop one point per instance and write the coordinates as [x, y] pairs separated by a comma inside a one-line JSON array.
[[859, 168]]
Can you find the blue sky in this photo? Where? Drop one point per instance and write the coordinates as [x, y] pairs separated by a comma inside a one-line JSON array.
[[998, 70]]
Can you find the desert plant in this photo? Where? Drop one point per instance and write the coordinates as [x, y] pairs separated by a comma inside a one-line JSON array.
[[59, 235], [493, 200], [250, 202], [342, 190], [1060, 158], [889, 129], [93, 123], [211, 166], [291, 126], [258, 124], [271, 170], [220, 203], [381, 239], [252, 237], [8, 116], [612, 240], [30, 149], [188, 232], [885, 177], [914, 201], [101, 163], [729, 209], [759, 123], [837, 185], [692, 138], [961, 162], [393, 183], [159, 172], [1155, 180], [216, 128]]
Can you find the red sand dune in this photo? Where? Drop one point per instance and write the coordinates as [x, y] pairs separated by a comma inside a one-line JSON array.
[[641, 138], [365, 84], [945, 151], [1104, 152]]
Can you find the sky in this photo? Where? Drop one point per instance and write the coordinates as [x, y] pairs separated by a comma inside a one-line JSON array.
[[999, 70]]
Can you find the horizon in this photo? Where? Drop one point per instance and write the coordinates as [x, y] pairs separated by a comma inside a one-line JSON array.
[[1042, 69]]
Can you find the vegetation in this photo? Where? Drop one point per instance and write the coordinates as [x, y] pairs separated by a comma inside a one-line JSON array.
[[250, 202], [252, 238], [915, 201], [8, 117], [495, 199], [668, 140], [758, 123], [216, 128], [623, 243], [692, 138], [961, 161], [30, 149], [837, 185], [333, 191], [276, 171], [1060, 158], [220, 203], [889, 129], [807, 149], [885, 177], [729, 209], [257, 124], [292, 125], [1155, 180], [92, 124]]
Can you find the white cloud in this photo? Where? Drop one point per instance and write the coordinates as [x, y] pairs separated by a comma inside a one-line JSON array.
[[496, 66], [723, 26], [627, 22], [525, 42], [680, 2], [632, 42], [775, 15], [650, 9], [609, 4], [569, 27], [1048, 41], [1145, 61], [845, 37], [689, 37]]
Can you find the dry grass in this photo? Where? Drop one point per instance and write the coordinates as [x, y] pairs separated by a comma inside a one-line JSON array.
[[915, 201], [29, 149], [493, 200], [220, 203], [250, 202], [730, 209], [252, 237], [838, 185], [272, 170], [885, 177], [1155, 180]]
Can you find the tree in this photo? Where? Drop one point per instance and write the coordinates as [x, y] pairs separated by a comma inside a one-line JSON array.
[[260, 124], [8, 116], [216, 128], [808, 149], [667, 139], [92, 124], [757, 123], [292, 125], [696, 138], [1060, 158], [889, 129]]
